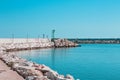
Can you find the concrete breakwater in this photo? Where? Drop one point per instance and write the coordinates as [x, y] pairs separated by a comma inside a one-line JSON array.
[[28, 44], [27, 69], [24, 44]]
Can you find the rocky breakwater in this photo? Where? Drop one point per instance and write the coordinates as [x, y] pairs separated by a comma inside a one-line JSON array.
[[30, 44], [27, 69], [23, 44], [64, 43], [30, 70]]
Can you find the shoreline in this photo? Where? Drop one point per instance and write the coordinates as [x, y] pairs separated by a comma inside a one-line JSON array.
[[29, 70]]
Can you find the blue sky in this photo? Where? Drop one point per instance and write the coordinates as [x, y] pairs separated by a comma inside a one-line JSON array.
[[70, 18]]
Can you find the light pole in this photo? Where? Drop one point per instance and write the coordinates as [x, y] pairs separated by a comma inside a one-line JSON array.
[[43, 35], [53, 35]]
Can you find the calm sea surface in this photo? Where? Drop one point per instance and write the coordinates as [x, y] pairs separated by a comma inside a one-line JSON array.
[[88, 62]]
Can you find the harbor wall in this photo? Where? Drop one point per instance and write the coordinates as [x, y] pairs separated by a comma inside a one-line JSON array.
[[97, 41]]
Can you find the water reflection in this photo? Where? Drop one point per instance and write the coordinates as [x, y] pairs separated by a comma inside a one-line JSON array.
[[61, 52], [44, 55], [53, 57]]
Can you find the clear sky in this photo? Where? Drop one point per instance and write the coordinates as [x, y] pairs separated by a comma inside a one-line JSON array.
[[70, 18]]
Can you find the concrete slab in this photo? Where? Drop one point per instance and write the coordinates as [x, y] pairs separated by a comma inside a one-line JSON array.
[[7, 74]]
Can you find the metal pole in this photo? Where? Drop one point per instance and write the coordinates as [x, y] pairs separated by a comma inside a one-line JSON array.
[[43, 35]]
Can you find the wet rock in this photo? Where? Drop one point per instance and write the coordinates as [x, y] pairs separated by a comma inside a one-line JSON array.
[[69, 77], [45, 69], [38, 73], [42, 78], [30, 78], [50, 75]]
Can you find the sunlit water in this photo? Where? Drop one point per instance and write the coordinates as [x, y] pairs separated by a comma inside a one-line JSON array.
[[88, 62]]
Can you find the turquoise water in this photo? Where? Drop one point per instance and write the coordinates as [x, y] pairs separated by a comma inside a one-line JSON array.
[[88, 62]]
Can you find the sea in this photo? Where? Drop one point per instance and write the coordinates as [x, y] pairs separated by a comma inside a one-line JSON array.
[[85, 62]]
